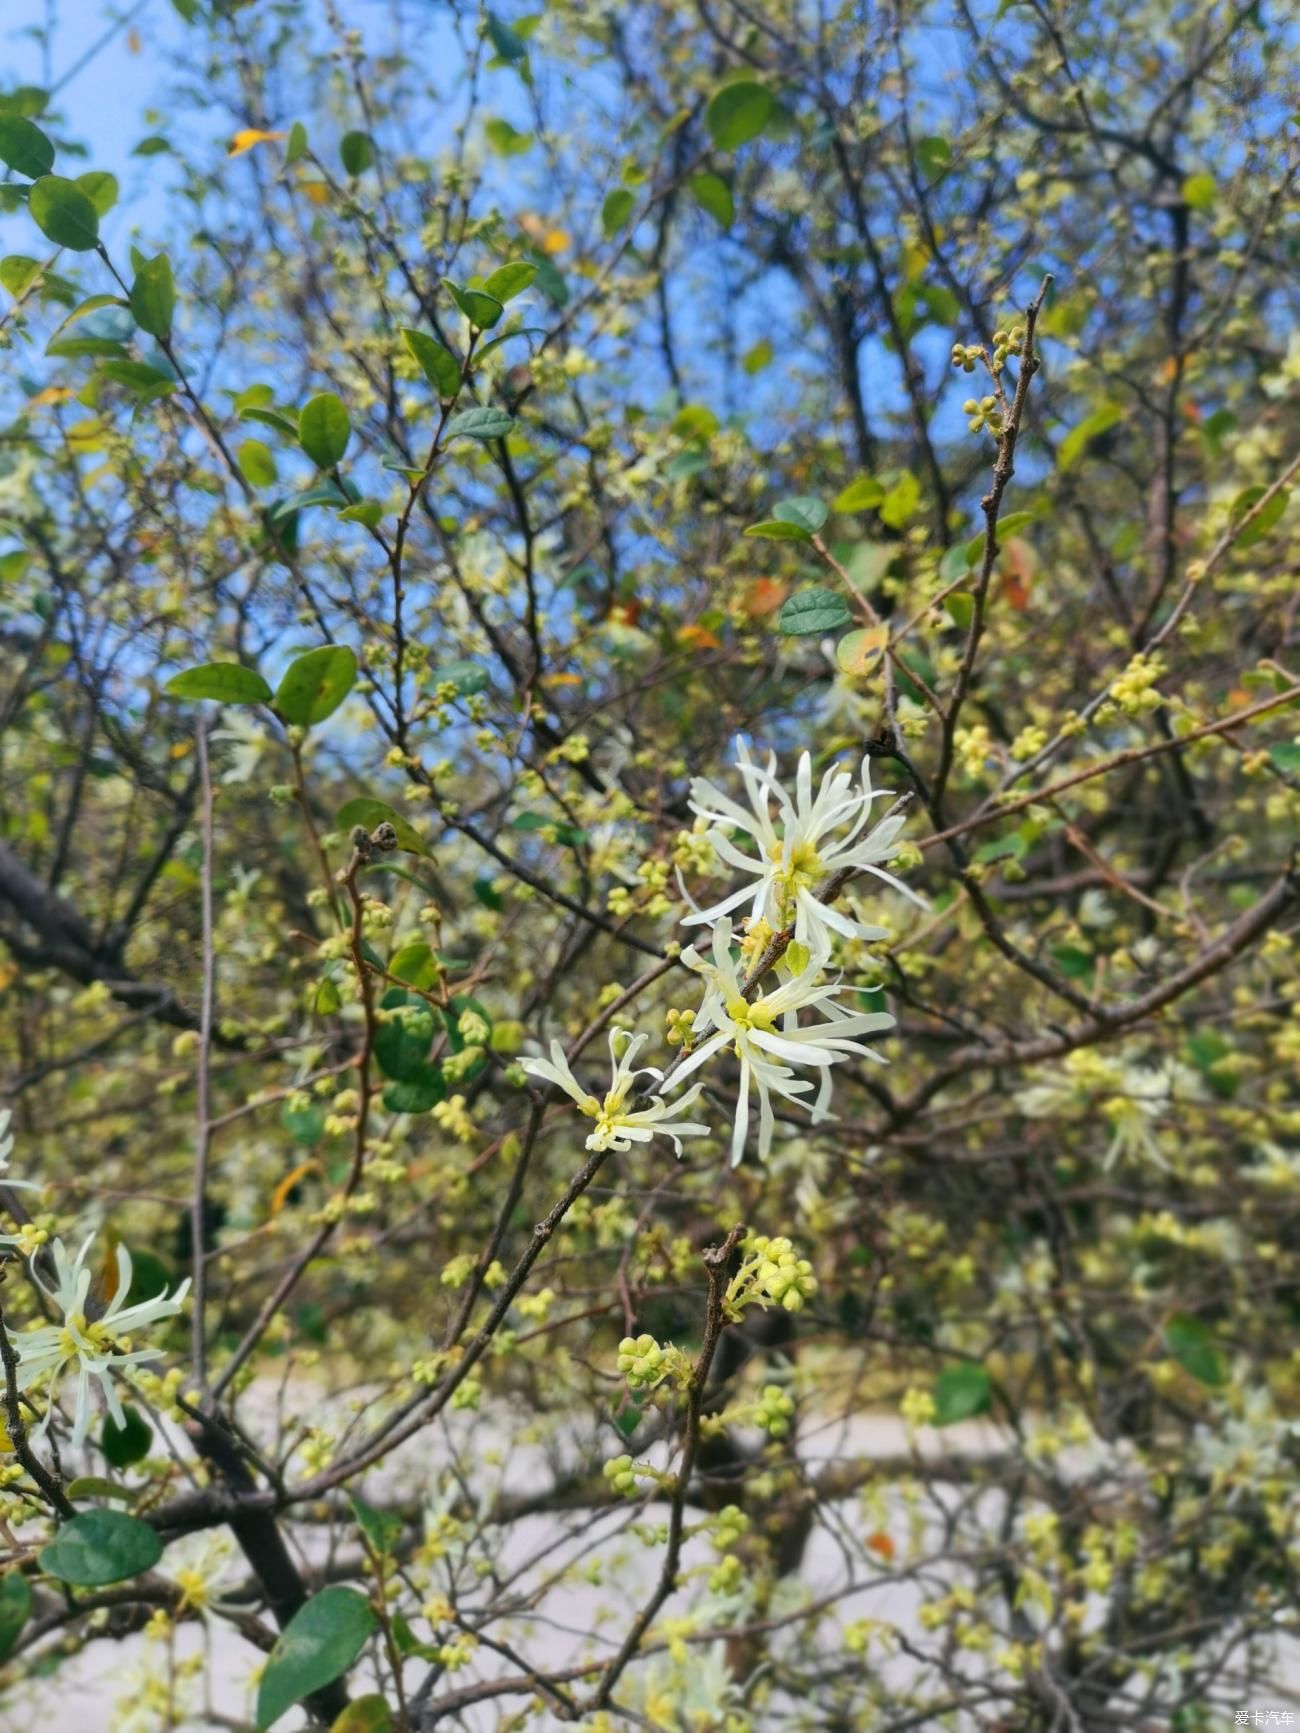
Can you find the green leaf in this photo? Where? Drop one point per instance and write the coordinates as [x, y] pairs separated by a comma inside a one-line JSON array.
[[418, 1093], [616, 210], [813, 610], [24, 147], [317, 1646], [961, 608], [1191, 1343], [934, 156], [481, 310], [864, 494], [760, 356], [510, 280], [466, 676], [712, 194], [777, 530], [1258, 528], [101, 1546], [483, 423], [153, 296], [140, 377], [226, 682], [416, 964], [15, 1609], [900, 503], [961, 1392], [402, 1043], [123, 1445], [505, 140], [805, 511], [368, 1714], [305, 1125], [365, 511], [100, 188], [364, 810], [1001, 848], [439, 366], [356, 152], [1286, 756], [270, 418], [296, 148], [858, 652], [314, 685], [324, 430], [64, 214], [95, 1486], [1074, 964], [257, 462], [380, 1528], [1073, 445], [738, 113], [1199, 192], [508, 43]]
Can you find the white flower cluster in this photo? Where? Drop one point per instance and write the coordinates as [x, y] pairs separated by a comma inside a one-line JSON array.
[[800, 1025], [75, 1346]]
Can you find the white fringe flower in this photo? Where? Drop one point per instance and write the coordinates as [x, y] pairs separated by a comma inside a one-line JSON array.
[[806, 841], [627, 1114], [765, 1034], [98, 1351]]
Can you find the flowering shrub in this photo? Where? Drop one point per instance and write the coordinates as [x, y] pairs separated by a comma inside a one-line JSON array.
[[648, 902]]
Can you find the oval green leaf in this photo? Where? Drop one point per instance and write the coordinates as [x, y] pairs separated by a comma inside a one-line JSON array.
[[324, 430], [813, 610], [153, 296], [960, 1392], [510, 280], [738, 112], [316, 684], [15, 1609], [226, 682], [64, 214], [369, 1714], [439, 366], [101, 1546], [317, 1646], [257, 462], [363, 810], [483, 423], [24, 147], [712, 194], [123, 1445], [481, 310], [357, 152]]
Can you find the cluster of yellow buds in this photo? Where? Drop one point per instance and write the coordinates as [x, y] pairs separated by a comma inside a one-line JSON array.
[[728, 1526], [1134, 690], [645, 1363], [620, 1472], [773, 1273], [452, 1116], [681, 1026], [973, 747], [1006, 343], [983, 412], [967, 356], [917, 1407], [775, 1411]]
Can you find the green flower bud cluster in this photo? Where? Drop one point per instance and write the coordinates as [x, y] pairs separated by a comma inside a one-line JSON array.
[[983, 413], [1007, 343], [644, 1363], [773, 1273], [680, 1028], [967, 356], [620, 1472], [774, 1412], [728, 1526]]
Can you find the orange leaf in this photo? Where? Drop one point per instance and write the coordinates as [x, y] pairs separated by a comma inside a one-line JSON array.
[[697, 638], [764, 595], [1018, 564], [881, 1543], [250, 136], [280, 1196]]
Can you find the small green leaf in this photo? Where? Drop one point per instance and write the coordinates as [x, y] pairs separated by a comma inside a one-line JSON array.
[[960, 1392], [140, 377], [439, 366], [864, 494], [481, 310], [712, 194], [813, 610], [368, 1714], [305, 1125], [380, 1527], [123, 1445], [504, 138], [315, 684], [1191, 1343], [1074, 964], [934, 155], [402, 1043], [24, 147], [466, 676], [95, 1486], [226, 682], [269, 418], [961, 608], [738, 112], [101, 1546], [257, 463], [317, 1646], [1199, 192], [153, 296], [416, 964], [1075, 442], [364, 511], [1259, 526], [900, 503], [418, 1093], [364, 810], [15, 1608], [616, 210], [805, 511], [483, 423], [324, 430], [508, 43], [100, 188], [777, 530], [510, 280], [296, 148], [356, 152], [64, 214]]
